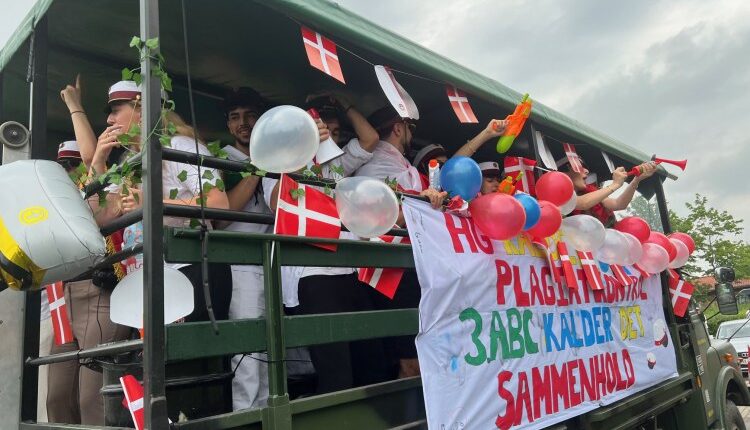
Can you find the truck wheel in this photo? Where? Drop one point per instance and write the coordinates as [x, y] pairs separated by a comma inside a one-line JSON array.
[[733, 417]]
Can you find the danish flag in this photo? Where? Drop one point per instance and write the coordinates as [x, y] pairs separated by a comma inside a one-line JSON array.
[[643, 272], [680, 291], [460, 104], [133, 399], [309, 213], [526, 168], [570, 274], [621, 275], [321, 52], [591, 269], [575, 161], [551, 261], [59, 313], [385, 281]]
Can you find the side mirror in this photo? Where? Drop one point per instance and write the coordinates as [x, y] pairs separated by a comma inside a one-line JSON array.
[[726, 299], [724, 274]]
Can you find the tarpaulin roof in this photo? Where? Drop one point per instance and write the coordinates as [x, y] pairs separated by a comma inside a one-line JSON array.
[[241, 43]]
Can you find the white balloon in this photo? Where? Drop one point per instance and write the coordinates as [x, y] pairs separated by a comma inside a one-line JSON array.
[[284, 139], [655, 258], [584, 232], [126, 302], [367, 207], [570, 205], [635, 250], [683, 253], [614, 250]]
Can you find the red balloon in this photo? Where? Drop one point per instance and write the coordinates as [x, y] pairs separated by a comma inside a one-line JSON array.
[[636, 226], [684, 238], [662, 240], [550, 220], [555, 187], [498, 215]]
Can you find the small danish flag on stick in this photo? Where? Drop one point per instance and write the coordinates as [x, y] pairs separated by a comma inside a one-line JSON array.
[[321, 52], [460, 104], [302, 210], [385, 281], [59, 313], [680, 291], [570, 274], [575, 161], [591, 269]]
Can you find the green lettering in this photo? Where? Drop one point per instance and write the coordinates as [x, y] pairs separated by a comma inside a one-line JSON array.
[[472, 314]]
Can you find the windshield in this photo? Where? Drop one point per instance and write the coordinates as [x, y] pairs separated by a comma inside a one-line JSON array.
[[726, 330]]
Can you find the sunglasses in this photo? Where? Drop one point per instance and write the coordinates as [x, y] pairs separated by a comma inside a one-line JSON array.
[[412, 126]]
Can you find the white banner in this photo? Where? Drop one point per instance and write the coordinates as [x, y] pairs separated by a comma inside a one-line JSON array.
[[502, 346]]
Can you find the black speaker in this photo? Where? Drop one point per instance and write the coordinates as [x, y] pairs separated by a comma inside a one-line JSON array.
[[14, 134]]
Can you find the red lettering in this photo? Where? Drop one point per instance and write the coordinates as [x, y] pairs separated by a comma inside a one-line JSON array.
[[506, 420], [456, 231], [549, 289], [628, 365], [537, 298], [522, 297], [601, 375], [504, 278], [484, 242], [542, 391], [560, 387], [611, 378], [575, 396], [523, 399], [588, 385]]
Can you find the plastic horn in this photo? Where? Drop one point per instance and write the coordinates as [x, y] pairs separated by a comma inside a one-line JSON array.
[[636, 171]]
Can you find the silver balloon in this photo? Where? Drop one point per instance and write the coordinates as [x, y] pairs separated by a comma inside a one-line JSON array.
[[570, 205], [614, 250], [584, 232], [367, 207], [284, 139]]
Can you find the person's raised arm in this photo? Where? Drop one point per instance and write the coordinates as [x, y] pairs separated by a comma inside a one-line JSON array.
[[367, 135], [589, 200], [495, 128], [85, 136], [622, 201], [241, 193]]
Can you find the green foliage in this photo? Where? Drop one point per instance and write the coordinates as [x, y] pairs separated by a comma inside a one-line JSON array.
[[297, 193], [182, 176], [716, 239], [648, 210], [173, 193]]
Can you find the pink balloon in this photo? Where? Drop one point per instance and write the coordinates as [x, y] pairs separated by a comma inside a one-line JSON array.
[[683, 253], [555, 187], [655, 258], [498, 215], [635, 249]]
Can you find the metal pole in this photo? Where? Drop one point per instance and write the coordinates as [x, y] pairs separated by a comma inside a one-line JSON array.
[[155, 402], [662, 202], [32, 300], [278, 414]]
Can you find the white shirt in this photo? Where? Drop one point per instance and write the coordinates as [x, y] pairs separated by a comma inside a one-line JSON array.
[[353, 158], [388, 162]]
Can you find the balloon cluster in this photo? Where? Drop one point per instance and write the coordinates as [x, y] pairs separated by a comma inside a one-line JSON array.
[[501, 216], [657, 251]]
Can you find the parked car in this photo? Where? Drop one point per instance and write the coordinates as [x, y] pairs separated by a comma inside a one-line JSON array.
[[737, 332]]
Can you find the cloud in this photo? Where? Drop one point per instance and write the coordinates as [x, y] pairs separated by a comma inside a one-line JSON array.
[[665, 77]]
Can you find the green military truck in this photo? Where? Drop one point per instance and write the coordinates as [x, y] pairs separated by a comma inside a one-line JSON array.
[[233, 43]]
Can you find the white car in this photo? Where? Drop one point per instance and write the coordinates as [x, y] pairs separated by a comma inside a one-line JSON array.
[[737, 332]]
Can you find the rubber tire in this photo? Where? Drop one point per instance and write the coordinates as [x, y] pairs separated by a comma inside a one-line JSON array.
[[732, 417]]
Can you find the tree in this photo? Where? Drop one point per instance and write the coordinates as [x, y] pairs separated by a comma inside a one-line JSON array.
[[715, 234], [647, 210]]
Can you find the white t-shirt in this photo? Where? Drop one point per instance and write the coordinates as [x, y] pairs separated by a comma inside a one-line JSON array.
[[353, 158], [186, 190], [388, 162]]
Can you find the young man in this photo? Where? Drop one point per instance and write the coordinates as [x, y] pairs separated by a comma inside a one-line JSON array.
[[336, 289], [242, 108]]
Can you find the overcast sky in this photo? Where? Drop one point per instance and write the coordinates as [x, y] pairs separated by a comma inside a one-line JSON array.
[[671, 78]]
